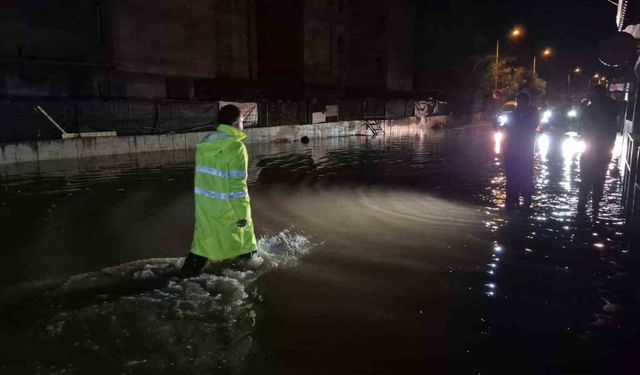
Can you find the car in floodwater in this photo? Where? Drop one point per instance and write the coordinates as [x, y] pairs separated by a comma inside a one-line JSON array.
[[560, 119], [566, 144], [559, 132], [503, 115]]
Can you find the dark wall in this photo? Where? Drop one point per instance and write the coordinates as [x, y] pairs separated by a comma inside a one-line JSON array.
[[280, 41], [50, 47], [367, 40]]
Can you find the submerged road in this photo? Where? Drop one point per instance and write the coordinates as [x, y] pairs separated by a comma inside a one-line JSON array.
[[405, 261]]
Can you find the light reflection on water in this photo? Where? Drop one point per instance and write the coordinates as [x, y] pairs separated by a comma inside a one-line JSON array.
[[405, 223], [553, 271]]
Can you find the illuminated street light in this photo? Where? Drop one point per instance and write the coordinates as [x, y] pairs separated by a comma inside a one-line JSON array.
[[596, 76], [545, 53], [577, 70], [515, 33]]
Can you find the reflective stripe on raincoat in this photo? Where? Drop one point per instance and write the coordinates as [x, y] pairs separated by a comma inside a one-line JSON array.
[[221, 196]]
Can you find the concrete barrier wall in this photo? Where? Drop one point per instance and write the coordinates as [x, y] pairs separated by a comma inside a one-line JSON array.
[[80, 148], [19, 121]]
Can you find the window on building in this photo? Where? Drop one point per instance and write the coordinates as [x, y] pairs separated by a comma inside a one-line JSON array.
[[177, 88], [381, 26]]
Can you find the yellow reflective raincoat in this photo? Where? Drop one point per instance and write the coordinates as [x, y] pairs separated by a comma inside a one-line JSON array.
[[221, 196]]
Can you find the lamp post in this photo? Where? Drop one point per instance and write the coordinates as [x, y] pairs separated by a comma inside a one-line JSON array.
[[577, 70], [515, 33], [545, 53]]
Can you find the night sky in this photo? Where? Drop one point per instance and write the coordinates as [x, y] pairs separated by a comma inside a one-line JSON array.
[[572, 28]]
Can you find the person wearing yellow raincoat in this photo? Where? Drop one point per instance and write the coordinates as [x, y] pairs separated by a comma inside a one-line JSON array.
[[223, 225]]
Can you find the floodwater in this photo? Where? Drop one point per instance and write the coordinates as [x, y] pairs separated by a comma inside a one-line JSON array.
[[377, 256]]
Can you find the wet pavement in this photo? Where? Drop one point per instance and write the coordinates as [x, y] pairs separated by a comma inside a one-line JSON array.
[[381, 255]]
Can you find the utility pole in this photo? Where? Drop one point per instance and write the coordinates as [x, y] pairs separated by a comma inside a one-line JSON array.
[[497, 63], [534, 67]]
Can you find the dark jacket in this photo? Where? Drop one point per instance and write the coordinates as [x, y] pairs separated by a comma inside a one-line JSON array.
[[520, 134], [600, 123]]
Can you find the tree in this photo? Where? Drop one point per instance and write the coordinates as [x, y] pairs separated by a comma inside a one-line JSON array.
[[511, 79], [474, 83]]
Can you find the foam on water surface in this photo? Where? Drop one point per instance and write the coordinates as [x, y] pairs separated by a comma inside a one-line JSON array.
[[138, 318]]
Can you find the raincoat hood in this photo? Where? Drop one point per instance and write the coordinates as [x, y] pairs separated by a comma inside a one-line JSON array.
[[230, 130]]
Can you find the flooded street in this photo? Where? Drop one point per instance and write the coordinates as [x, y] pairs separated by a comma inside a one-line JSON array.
[[381, 256]]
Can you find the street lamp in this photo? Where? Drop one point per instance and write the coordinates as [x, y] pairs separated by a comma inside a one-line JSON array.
[[515, 33], [577, 70], [596, 79], [545, 53]]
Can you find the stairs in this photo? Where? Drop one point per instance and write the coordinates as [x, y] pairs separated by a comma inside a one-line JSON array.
[[374, 126]]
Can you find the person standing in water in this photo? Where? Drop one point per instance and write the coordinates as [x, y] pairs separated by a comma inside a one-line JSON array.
[[598, 130], [223, 225], [519, 145]]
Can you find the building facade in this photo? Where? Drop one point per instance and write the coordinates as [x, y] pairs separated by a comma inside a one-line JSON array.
[[204, 49], [628, 20]]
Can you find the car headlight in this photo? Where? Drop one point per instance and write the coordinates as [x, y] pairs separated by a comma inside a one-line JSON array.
[[543, 144], [572, 113], [503, 120]]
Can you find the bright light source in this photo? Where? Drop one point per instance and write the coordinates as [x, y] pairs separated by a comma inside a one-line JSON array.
[[572, 146], [497, 138], [543, 144], [577, 70], [582, 146], [569, 147], [572, 113], [617, 148], [516, 32], [546, 116], [503, 120], [546, 52]]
